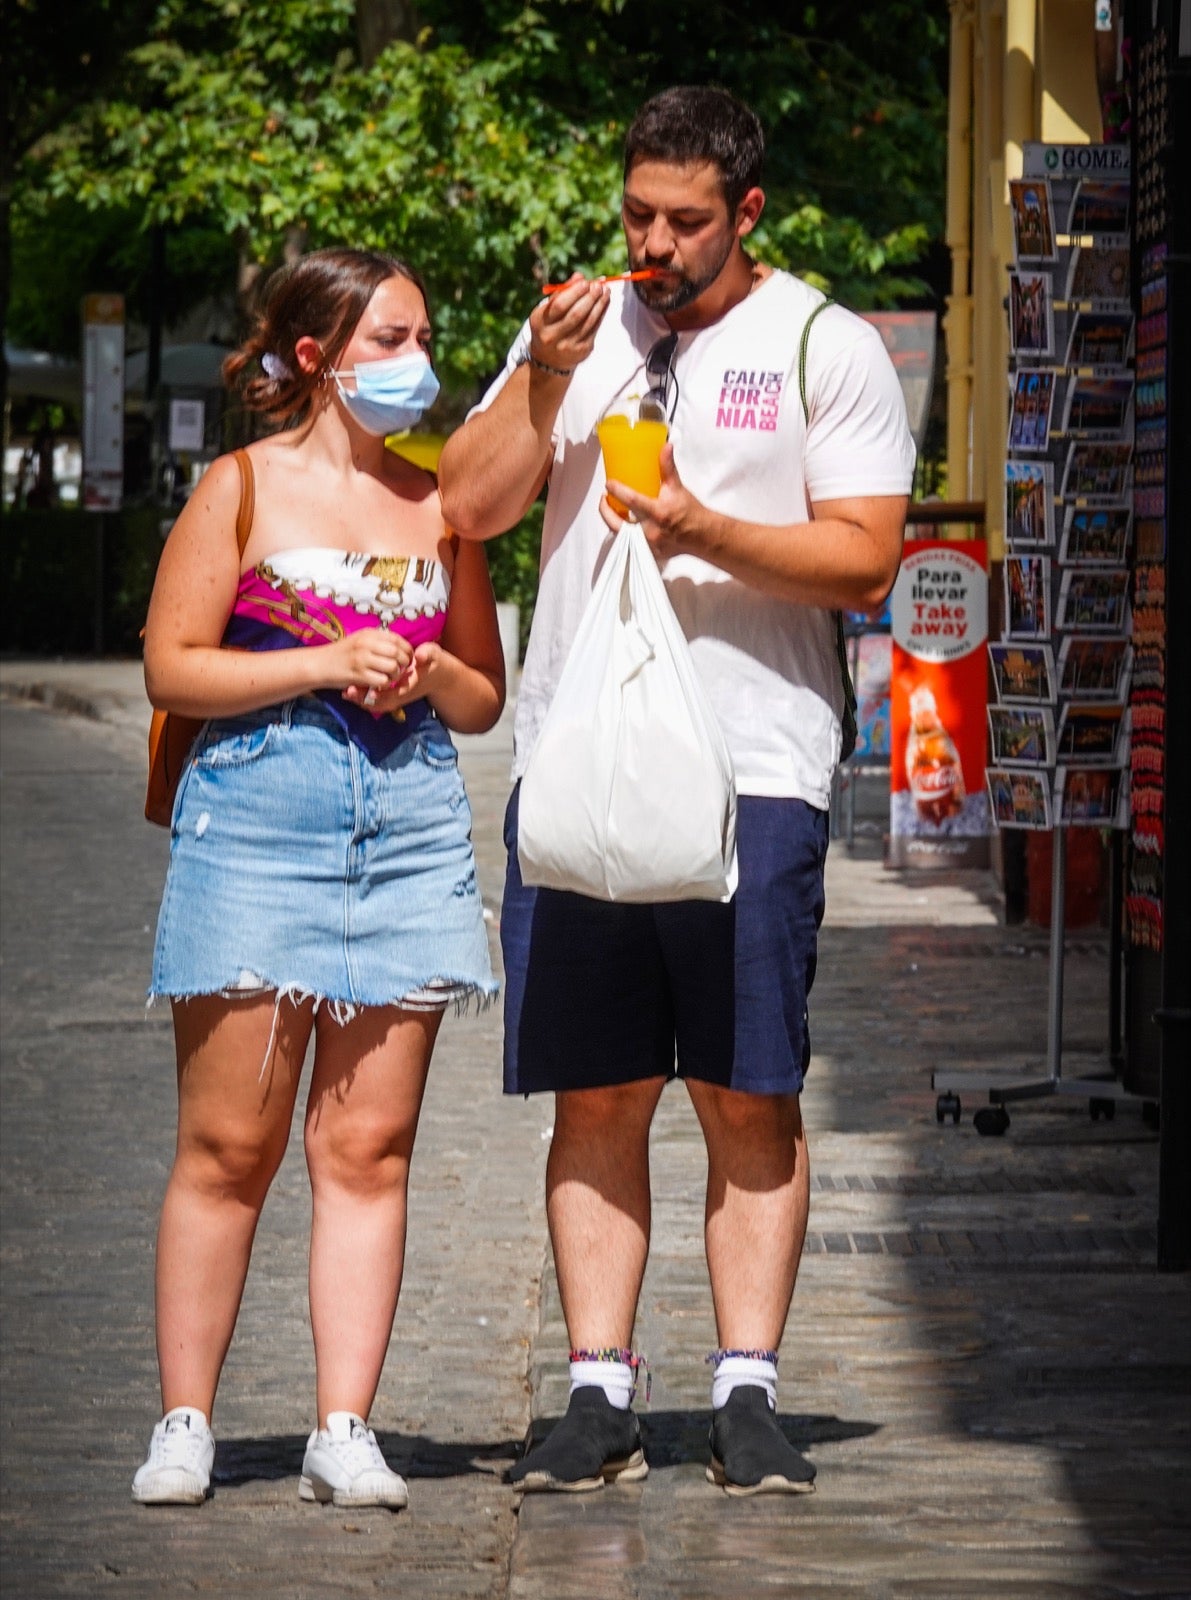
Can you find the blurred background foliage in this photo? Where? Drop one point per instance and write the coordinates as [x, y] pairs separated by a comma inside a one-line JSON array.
[[479, 138]]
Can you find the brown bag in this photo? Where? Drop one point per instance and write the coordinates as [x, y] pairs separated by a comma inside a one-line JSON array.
[[172, 735]]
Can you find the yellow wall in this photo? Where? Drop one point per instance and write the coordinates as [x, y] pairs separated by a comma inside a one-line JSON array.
[[1020, 70]]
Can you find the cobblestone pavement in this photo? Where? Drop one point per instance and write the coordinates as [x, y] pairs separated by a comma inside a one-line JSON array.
[[993, 1380]]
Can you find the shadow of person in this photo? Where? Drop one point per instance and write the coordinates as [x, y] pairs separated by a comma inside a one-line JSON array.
[[272, 1457]]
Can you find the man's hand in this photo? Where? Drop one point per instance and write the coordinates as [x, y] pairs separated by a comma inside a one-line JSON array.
[[672, 523], [562, 329]]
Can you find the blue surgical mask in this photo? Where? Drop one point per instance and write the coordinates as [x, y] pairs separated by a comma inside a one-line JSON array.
[[391, 394]]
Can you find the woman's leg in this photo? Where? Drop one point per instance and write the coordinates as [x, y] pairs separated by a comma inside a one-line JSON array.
[[362, 1115], [239, 1062]]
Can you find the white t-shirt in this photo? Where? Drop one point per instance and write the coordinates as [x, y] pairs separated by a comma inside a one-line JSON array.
[[742, 447]]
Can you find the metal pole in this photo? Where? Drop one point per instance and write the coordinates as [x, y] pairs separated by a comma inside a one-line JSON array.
[[100, 520], [1058, 920]]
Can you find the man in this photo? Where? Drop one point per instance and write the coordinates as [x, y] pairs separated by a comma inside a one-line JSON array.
[[768, 521]]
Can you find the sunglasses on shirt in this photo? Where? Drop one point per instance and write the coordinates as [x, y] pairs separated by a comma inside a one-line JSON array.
[[657, 406]]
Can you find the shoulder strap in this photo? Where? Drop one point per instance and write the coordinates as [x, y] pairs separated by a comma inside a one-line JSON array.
[[806, 335], [247, 498]]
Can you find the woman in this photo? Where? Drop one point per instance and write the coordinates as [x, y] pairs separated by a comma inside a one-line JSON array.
[[321, 872]]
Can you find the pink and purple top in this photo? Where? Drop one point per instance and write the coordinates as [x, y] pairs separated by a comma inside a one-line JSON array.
[[315, 595]]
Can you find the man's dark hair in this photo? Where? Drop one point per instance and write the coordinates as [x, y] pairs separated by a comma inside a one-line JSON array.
[[689, 125]]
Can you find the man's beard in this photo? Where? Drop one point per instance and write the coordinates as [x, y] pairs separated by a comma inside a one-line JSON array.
[[676, 290]]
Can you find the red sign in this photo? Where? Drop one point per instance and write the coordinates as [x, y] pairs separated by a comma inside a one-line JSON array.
[[939, 609]]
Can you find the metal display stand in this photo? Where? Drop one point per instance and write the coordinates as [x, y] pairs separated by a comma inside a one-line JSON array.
[[1057, 242], [1103, 1090]]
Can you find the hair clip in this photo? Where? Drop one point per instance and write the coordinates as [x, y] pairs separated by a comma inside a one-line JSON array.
[[274, 367]]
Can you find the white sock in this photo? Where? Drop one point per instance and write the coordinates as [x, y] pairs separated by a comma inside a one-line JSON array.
[[615, 1378], [733, 1372]]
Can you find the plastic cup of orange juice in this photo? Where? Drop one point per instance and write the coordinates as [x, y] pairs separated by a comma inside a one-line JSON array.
[[631, 447]]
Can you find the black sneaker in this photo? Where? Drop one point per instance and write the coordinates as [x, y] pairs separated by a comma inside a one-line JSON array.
[[592, 1445], [749, 1452]]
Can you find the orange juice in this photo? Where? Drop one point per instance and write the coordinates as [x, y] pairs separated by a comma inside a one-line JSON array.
[[631, 451]]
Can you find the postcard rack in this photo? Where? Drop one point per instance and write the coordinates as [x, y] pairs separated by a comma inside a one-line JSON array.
[[1059, 729]]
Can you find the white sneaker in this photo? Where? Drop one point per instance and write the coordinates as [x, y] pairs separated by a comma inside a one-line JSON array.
[[344, 1465], [177, 1471]]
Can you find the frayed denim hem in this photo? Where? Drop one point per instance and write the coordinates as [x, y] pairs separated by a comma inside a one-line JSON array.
[[459, 996]]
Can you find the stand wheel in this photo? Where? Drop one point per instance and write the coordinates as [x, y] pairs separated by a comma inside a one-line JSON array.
[[991, 1121], [947, 1105], [1149, 1114], [1102, 1108]]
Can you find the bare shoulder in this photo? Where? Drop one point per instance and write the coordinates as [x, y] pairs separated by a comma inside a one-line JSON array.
[[218, 487]]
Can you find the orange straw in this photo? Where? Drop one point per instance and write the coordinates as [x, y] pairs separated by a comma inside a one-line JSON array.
[[615, 277]]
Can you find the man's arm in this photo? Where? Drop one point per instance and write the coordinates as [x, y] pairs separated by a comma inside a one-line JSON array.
[[845, 559], [493, 467]]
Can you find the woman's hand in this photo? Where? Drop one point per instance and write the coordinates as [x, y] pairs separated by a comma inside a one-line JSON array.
[[425, 664], [368, 660]]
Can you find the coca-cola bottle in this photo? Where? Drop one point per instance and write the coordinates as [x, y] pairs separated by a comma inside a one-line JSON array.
[[932, 761]]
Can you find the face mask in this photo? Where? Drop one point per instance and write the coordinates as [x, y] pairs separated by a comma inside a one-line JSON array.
[[391, 395]]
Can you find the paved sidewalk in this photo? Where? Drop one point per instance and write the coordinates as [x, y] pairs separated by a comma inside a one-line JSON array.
[[990, 1375]]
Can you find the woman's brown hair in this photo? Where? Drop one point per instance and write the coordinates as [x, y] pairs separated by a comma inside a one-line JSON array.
[[322, 295]]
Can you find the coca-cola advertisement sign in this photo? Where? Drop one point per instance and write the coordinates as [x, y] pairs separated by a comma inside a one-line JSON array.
[[939, 612]]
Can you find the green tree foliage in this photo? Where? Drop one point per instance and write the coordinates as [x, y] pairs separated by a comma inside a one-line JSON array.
[[486, 148], [484, 142]]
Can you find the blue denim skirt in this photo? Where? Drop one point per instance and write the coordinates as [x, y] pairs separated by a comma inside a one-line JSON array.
[[299, 865]]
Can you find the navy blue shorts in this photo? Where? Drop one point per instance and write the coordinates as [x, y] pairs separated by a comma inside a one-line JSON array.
[[599, 994]]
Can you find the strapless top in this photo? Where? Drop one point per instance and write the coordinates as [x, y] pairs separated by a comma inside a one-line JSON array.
[[315, 595]]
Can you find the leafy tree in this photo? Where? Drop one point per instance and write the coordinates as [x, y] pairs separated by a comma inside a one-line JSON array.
[[482, 138]]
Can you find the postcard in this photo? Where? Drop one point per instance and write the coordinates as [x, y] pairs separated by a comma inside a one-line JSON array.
[[1021, 736], [1031, 314], [1098, 408], [1027, 597], [1099, 206], [1024, 674], [1098, 472], [1029, 420], [1096, 535], [1093, 735], [1029, 504], [1019, 799], [1095, 668], [1091, 797], [1033, 219], [1097, 602], [1099, 272], [1100, 339]]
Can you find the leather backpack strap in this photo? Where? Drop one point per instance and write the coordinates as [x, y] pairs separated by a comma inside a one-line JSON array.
[[247, 498], [805, 340]]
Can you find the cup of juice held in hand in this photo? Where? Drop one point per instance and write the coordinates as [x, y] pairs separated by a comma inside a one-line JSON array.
[[631, 445]]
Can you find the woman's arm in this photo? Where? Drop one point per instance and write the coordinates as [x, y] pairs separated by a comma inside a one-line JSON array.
[[193, 595], [461, 675]]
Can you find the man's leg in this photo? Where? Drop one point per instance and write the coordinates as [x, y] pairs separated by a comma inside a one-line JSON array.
[[598, 1206], [758, 1195]]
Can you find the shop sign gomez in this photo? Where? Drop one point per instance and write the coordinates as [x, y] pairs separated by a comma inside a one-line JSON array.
[[939, 608]]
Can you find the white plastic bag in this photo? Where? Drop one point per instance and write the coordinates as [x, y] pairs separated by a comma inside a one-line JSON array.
[[629, 793]]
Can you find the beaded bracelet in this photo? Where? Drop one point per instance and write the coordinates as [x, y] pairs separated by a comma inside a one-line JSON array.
[[544, 366]]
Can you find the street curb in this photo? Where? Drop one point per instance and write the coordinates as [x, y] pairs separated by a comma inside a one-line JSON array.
[[55, 697]]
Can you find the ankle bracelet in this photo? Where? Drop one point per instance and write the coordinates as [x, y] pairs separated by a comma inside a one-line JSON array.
[[714, 1357], [628, 1358]]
